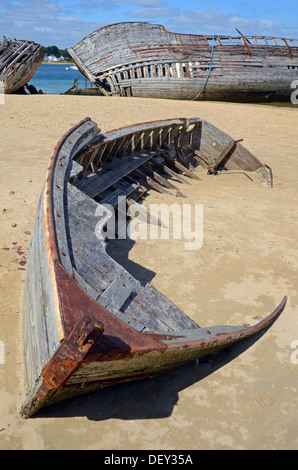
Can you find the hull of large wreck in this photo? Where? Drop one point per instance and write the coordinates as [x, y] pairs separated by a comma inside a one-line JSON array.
[[145, 60], [19, 62], [87, 322]]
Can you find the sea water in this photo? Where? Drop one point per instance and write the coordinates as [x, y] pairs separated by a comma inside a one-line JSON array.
[[54, 79]]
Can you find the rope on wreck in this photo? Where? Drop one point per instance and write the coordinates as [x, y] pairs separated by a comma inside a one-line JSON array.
[[209, 72]]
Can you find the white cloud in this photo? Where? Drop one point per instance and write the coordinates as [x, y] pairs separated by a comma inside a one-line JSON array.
[[44, 22], [110, 4], [64, 23], [146, 13], [213, 21]]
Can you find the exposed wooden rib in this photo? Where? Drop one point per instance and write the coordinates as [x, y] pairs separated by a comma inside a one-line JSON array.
[[178, 165], [151, 182], [160, 179], [184, 160], [168, 170], [98, 183]]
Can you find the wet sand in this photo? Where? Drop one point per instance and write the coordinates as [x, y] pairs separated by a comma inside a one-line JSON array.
[[242, 398]]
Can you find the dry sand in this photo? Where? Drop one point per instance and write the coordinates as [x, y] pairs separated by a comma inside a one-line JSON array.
[[243, 398]]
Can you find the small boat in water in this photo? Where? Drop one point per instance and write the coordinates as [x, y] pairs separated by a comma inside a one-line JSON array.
[[88, 323], [145, 60], [19, 60]]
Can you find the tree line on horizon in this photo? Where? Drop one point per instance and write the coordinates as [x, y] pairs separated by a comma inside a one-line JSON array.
[[54, 50]]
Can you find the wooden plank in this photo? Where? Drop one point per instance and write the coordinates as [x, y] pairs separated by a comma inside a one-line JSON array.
[[157, 312], [123, 137], [81, 64], [75, 170], [79, 138], [84, 285], [96, 184], [133, 323], [41, 338], [197, 334], [90, 259], [84, 210], [114, 297], [120, 192]]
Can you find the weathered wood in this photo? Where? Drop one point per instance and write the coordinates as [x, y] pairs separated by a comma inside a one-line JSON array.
[[152, 183], [145, 60], [75, 171], [115, 296], [82, 283], [98, 183], [158, 313], [161, 165], [63, 171], [19, 61], [120, 192], [160, 179], [40, 328], [89, 323], [224, 154], [197, 334], [180, 167]]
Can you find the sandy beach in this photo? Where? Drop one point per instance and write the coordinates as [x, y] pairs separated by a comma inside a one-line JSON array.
[[245, 397]]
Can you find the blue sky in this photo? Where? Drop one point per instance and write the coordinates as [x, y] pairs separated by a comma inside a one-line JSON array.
[[65, 22]]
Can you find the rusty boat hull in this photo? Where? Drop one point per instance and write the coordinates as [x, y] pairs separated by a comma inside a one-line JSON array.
[[19, 60], [88, 323], [145, 60]]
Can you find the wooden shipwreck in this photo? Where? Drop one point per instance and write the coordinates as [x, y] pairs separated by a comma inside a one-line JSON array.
[[145, 60], [88, 323], [19, 60]]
